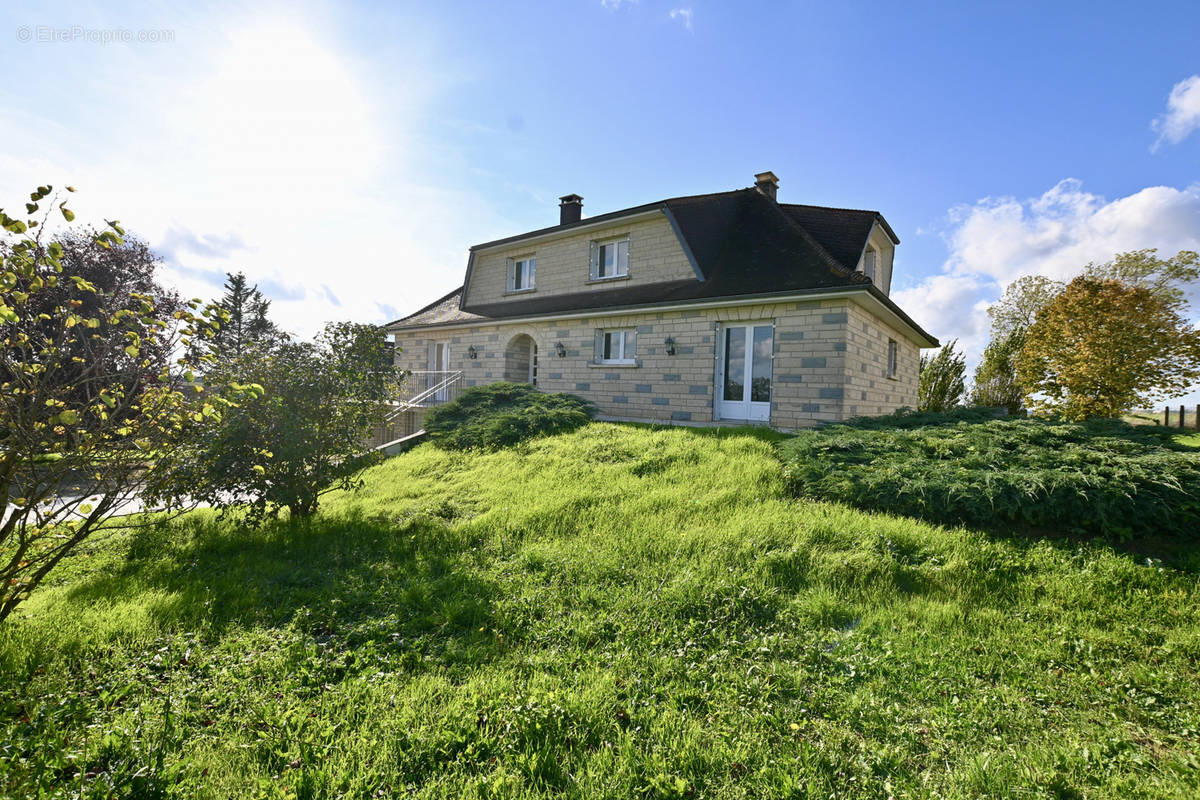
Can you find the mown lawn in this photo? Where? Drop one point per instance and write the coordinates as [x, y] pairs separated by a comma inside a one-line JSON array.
[[619, 612]]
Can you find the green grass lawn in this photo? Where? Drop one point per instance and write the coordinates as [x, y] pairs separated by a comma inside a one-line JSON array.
[[1190, 439], [619, 612]]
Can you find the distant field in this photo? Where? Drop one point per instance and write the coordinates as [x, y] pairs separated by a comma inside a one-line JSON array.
[[619, 612]]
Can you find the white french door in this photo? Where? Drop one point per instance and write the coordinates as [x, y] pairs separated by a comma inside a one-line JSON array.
[[744, 372], [440, 364]]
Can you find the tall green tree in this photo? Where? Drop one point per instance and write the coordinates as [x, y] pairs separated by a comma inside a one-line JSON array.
[[247, 326], [996, 375], [1103, 347], [996, 382], [942, 379], [1018, 307]]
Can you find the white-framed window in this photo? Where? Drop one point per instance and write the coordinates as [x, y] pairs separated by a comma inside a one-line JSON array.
[[869, 263], [610, 258], [616, 346], [521, 273], [893, 349]]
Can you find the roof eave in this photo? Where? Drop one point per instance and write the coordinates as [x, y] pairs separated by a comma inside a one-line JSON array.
[[887, 228], [870, 289], [890, 304]]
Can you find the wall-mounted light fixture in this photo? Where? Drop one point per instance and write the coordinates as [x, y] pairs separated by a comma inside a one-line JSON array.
[[472, 353], [560, 349], [670, 343]]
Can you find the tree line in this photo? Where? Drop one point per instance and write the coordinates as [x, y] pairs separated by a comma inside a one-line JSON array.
[[1114, 338]]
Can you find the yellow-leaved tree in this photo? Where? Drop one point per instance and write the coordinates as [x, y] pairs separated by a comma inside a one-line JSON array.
[[1103, 346]]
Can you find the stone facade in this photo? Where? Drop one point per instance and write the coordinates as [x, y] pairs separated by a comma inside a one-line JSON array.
[[563, 262], [830, 360]]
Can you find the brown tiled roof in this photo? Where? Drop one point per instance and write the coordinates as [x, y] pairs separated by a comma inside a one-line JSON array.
[[742, 243], [842, 232]]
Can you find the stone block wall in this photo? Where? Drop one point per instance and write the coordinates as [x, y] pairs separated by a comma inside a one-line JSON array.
[[564, 263], [829, 362]]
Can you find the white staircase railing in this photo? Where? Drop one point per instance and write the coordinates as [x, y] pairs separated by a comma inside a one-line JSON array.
[[420, 391]]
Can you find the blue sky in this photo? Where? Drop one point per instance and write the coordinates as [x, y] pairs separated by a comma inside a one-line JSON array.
[[346, 155]]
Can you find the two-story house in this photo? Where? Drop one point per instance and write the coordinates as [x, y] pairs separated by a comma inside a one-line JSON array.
[[719, 307]]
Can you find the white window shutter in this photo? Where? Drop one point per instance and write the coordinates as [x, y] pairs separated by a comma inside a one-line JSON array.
[[623, 267], [510, 266], [599, 344], [529, 284], [631, 344], [595, 261], [432, 356]]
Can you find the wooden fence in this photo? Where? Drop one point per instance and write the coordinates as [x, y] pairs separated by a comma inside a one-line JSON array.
[[1180, 419]]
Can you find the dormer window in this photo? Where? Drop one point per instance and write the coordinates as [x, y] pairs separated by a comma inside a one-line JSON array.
[[610, 259], [521, 274], [869, 263]]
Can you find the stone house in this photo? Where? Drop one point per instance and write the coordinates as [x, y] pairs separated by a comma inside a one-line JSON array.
[[719, 308]]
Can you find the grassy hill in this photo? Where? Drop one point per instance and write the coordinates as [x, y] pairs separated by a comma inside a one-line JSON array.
[[618, 612]]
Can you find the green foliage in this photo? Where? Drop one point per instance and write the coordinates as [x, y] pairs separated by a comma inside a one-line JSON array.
[[502, 414], [907, 419], [1018, 307], [613, 613], [1103, 347], [1103, 477], [246, 327], [943, 375], [1165, 278], [90, 389], [996, 375], [303, 436]]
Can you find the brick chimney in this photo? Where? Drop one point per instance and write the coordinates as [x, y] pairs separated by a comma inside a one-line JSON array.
[[570, 208], [767, 183]]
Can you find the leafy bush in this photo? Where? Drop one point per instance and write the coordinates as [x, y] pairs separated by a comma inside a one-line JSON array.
[[502, 414], [303, 437], [1102, 477]]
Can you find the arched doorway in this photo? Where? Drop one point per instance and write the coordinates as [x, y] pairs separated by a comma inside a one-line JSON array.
[[521, 360]]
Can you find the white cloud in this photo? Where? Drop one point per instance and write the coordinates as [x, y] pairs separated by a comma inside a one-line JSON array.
[[613, 5], [683, 14], [1182, 116], [996, 240], [256, 145]]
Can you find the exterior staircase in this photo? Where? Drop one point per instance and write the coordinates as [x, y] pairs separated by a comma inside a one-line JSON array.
[[403, 420]]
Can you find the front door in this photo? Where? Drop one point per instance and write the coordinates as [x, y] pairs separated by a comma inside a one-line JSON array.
[[744, 372], [533, 365]]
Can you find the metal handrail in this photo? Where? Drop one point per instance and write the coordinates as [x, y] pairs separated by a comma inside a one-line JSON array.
[[420, 398]]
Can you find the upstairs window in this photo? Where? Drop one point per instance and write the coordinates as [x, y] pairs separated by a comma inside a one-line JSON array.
[[521, 273], [610, 259], [616, 347], [892, 350], [869, 263]]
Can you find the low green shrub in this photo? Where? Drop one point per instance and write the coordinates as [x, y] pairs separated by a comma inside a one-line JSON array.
[[1103, 477], [907, 418], [502, 414]]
